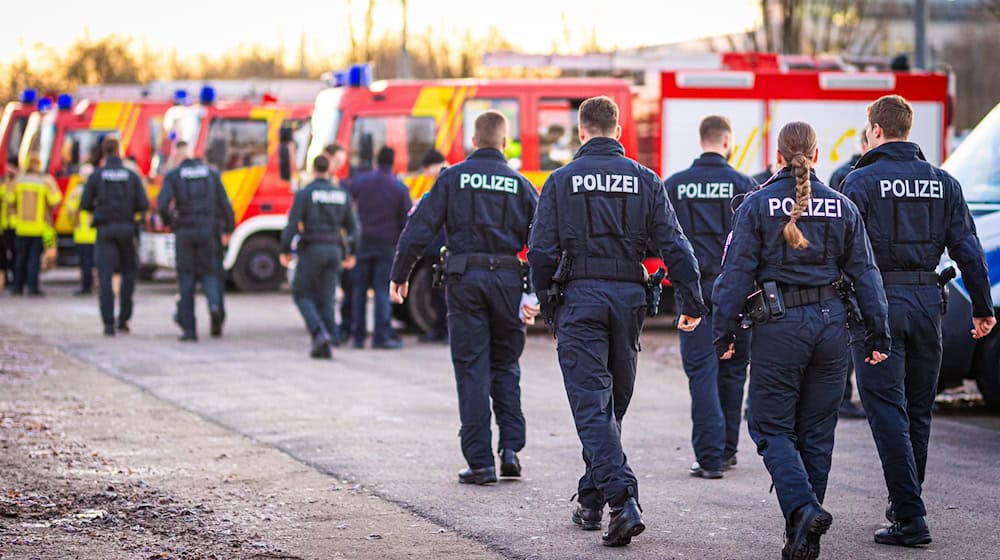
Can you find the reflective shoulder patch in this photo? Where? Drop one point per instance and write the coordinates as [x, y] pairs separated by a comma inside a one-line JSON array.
[[329, 197], [604, 183]]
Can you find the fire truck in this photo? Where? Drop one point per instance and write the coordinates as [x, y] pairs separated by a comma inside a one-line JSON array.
[[65, 135], [241, 140], [13, 123], [660, 122], [413, 116], [976, 165]]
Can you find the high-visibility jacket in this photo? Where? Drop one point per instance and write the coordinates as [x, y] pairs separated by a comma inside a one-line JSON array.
[[35, 195], [84, 233], [4, 221]]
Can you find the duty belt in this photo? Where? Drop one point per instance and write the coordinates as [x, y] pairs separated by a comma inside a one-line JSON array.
[[910, 278], [490, 262], [808, 296], [310, 238], [598, 268]]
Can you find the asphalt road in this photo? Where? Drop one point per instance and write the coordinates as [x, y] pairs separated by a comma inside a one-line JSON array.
[[388, 420]]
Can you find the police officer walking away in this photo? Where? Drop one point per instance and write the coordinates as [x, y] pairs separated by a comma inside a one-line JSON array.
[[913, 212], [702, 196], [321, 216], [485, 208], [792, 240], [194, 203], [114, 194], [596, 217]]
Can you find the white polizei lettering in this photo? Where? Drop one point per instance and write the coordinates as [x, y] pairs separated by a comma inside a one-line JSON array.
[[911, 188], [199, 172], [329, 197], [705, 190], [817, 207], [114, 175], [605, 183], [481, 181]]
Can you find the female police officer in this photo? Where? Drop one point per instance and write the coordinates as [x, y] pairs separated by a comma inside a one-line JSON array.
[[793, 239]]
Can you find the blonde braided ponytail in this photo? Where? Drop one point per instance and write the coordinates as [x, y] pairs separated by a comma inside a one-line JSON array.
[[797, 143]]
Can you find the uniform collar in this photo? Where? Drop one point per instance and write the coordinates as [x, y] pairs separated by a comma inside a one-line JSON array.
[[896, 151], [488, 153], [600, 146], [786, 173], [319, 183], [113, 161], [710, 159]]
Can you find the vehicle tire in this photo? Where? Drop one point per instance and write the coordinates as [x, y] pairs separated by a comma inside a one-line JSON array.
[[986, 369], [146, 272], [258, 268], [419, 303]]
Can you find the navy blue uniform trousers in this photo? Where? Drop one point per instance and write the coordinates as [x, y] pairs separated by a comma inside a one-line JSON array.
[[797, 367], [116, 254], [898, 394], [489, 338], [28, 264], [598, 345], [197, 260], [314, 284], [716, 388]]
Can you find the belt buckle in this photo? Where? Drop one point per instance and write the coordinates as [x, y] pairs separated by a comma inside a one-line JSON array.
[[493, 264]]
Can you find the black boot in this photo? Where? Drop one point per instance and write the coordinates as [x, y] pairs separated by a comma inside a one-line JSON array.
[[218, 317], [509, 464], [696, 470], [321, 345], [188, 336], [485, 475], [809, 522], [908, 532], [626, 522], [589, 519]]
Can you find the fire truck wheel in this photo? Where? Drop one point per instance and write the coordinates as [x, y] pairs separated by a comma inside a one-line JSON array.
[[986, 367], [419, 305], [257, 267]]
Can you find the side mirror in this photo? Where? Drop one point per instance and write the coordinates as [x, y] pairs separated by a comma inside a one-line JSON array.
[[285, 161]]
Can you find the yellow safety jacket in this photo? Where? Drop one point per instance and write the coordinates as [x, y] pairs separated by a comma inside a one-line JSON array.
[[3, 207], [83, 232], [35, 195]]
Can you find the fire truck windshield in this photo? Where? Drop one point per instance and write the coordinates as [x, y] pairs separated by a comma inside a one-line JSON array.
[[325, 121], [179, 123], [976, 164]]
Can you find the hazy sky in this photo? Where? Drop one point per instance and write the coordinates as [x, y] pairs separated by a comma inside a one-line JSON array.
[[215, 25]]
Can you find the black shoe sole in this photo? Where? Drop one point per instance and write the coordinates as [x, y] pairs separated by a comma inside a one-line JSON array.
[[586, 525], [819, 526], [510, 470], [480, 481], [627, 536], [914, 541]]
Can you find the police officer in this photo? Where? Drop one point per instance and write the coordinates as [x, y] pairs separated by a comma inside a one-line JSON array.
[[793, 239], [600, 212], [847, 407], [321, 216], [485, 208], [115, 195], [702, 196], [913, 212], [194, 203]]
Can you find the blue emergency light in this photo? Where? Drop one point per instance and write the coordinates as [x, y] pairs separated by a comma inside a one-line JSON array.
[[44, 104], [180, 97], [359, 75], [64, 102], [340, 78], [207, 95], [29, 96]]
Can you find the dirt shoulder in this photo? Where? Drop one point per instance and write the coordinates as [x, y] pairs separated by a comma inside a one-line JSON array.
[[91, 467]]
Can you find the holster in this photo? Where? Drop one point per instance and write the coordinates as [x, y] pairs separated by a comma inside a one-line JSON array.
[[654, 289], [765, 304], [848, 295], [438, 268], [944, 278]]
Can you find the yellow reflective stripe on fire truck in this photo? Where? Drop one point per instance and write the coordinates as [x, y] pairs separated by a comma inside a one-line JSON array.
[[241, 185]]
